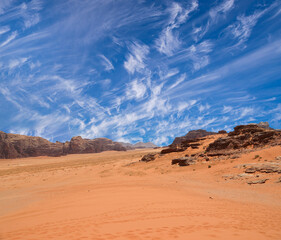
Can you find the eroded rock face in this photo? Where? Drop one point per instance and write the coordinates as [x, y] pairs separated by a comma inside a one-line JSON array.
[[244, 137], [191, 135], [20, 146], [184, 161]]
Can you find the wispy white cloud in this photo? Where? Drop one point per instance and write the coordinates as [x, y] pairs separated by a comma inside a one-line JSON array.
[[179, 81], [9, 39], [227, 109], [106, 63], [222, 8], [169, 41], [203, 108], [4, 4], [246, 111], [213, 17], [199, 54], [136, 90], [32, 20], [4, 29], [241, 30], [16, 62], [135, 60]]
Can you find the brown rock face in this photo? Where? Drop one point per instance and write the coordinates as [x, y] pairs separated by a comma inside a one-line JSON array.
[[20, 146], [245, 137], [80, 145], [194, 134], [17, 146]]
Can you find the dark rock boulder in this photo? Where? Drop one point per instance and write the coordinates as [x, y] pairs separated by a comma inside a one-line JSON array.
[[183, 161], [172, 149], [148, 157], [261, 181]]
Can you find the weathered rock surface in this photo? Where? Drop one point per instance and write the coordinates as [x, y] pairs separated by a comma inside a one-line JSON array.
[[261, 181], [264, 168], [244, 137], [148, 157], [184, 161], [20, 146], [191, 135]]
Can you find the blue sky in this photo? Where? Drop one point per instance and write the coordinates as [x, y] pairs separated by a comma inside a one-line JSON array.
[[138, 70]]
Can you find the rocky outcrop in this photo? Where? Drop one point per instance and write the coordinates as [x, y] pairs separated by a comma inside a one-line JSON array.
[[245, 137], [17, 146], [184, 161], [191, 135], [20, 146]]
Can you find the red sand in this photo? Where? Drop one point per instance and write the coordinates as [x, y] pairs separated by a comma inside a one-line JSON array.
[[103, 196]]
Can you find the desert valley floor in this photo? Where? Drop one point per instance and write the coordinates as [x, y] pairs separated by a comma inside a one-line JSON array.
[[111, 195]]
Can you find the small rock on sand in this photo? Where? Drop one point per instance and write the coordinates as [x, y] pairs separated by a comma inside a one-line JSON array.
[[261, 181]]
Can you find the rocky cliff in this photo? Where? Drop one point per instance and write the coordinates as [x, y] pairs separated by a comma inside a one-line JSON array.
[[19, 146], [245, 137]]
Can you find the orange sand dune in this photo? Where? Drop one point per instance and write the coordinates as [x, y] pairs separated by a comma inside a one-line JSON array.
[[111, 195]]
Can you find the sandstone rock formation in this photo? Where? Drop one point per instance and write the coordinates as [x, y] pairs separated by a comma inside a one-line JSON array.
[[184, 161], [19, 146], [245, 137], [191, 135]]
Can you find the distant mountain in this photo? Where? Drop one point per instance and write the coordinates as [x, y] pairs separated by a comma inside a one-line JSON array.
[[145, 145], [19, 146], [130, 146]]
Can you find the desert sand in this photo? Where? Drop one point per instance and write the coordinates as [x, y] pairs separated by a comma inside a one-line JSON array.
[[111, 195]]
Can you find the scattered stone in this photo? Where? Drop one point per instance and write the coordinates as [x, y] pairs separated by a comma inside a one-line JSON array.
[[245, 175], [183, 161], [261, 181], [250, 170], [278, 158], [148, 157]]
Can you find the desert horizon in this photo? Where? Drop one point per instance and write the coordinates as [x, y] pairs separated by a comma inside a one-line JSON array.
[[140, 120], [192, 189]]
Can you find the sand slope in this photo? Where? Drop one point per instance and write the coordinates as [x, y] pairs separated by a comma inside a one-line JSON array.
[[111, 195]]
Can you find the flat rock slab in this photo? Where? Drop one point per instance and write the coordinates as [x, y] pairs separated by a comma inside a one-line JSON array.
[[184, 161], [261, 181], [148, 157]]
